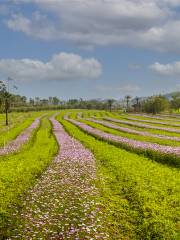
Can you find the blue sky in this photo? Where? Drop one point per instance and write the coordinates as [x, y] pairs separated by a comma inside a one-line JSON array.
[[97, 49]]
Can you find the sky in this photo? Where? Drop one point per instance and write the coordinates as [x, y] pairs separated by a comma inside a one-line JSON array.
[[90, 48]]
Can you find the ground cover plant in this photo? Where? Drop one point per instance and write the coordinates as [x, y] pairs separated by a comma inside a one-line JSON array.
[[90, 187], [158, 123], [142, 129], [19, 123], [133, 131], [19, 171], [22, 138], [64, 203], [142, 196], [155, 118], [142, 125], [150, 122], [166, 154], [125, 132], [92, 114]]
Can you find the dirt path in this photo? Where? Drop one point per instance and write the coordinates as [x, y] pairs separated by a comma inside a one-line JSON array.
[[63, 204], [22, 138]]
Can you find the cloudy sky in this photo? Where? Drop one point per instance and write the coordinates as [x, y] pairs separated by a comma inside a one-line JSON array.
[[90, 48]]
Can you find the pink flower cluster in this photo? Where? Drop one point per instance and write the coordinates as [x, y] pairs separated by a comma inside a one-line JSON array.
[[175, 130], [135, 144], [15, 144], [149, 121], [63, 204], [159, 117], [132, 131]]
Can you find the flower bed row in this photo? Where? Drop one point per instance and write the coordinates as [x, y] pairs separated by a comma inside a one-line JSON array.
[[141, 125], [19, 172], [21, 139], [142, 196], [155, 117], [154, 122], [165, 154], [132, 131], [63, 204]]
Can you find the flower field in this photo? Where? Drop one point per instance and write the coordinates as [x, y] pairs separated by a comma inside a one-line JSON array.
[[77, 174]]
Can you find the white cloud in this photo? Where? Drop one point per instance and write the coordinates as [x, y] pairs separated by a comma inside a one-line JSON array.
[[152, 24], [171, 69], [62, 66]]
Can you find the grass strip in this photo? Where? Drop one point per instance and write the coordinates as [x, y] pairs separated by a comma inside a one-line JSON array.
[[19, 171], [12, 132], [141, 196], [141, 125], [164, 154], [102, 126]]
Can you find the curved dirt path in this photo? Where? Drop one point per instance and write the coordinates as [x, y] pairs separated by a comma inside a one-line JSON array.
[[63, 204], [22, 138]]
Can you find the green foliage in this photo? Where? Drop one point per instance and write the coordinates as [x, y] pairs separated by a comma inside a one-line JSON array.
[[19, 171], [156, 104], [175, 102], [169, 159], [141, 197], [132, 136], [140, 128], [18, 123], [110, 103]]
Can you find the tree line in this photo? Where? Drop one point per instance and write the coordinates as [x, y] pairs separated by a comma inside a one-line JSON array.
[[154, 104]]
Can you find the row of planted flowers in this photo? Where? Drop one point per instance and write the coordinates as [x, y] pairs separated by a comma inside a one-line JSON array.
[[167, 154], [63, 204], [153, 122], [136, 124], [159, 117], [21, 139], [132, 131]]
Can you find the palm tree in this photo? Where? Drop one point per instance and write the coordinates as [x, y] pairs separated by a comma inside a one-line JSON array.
[[127, 98], [137, 105], [110, 103], [5, 97]]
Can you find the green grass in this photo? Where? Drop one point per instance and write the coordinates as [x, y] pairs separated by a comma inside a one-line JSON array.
[[151, 122], [132, 136], [19, 171], [141, 128], [171, 120], [125, 117], [168, 159], [114, 115], [141, 197], [14, 118], [154, 131], [18, 124]]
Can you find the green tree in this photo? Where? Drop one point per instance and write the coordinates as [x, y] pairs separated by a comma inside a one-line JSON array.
[[110, 103], [127, 99], [5, 99], [175, 102], [156, 104], [55, 101]]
